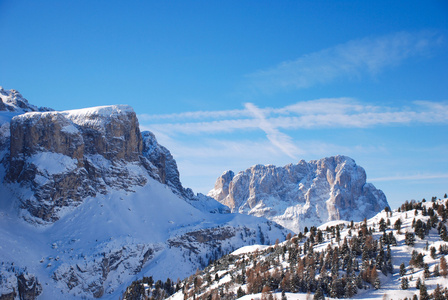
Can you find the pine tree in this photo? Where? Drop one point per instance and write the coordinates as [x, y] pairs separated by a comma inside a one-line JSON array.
[[240, 293], [443, 267], [418, 283], [444, 233], [416, 259], [436, 271], [266, 293], [402, 269], [437, 294], [426, 272], [350, 288], [404, 283], [377, 283], [336, 288], [383, 225], [372, 275], [423, 292], [409, 239], [390, 266], [338, 234], [433, 252], [359, 282], [285, 285], [319, 295]]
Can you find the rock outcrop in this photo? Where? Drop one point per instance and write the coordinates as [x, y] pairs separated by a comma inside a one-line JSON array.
[[13, 101], [16, 283], [305, 194], [130, 258], [163, 167], [163, 164], [64, 157]]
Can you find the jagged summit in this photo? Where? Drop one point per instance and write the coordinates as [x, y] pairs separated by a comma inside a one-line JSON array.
[[303, 194], [13, 101]]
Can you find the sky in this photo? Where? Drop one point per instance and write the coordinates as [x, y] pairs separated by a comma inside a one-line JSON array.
[[225, 85]]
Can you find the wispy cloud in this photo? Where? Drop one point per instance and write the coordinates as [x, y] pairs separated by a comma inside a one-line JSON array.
[[277, 138], [410, 177], [321, 113], [201, 141], [315, 114], [235, 113], [352, 59]]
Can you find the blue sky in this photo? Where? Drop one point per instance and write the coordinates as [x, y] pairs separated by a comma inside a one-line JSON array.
[[229, 84]]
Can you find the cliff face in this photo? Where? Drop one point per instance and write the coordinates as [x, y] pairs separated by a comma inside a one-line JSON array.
[[64, 157], [305, 194], [163, 163], [16, 283]]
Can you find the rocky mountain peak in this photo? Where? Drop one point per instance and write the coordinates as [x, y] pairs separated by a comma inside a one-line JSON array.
[[302, 194], [221, 189], [13, 101], [63, 157], [59, 158]]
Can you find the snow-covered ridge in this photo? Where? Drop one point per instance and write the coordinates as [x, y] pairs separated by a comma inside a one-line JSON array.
[[106, 110], [96, 111], [95, 117], [13, 101]]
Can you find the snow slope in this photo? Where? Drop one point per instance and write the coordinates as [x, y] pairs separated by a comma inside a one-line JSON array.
[[120, 225]]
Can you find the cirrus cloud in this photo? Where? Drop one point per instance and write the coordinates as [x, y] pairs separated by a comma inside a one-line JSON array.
[[352, 59], [314, 114]]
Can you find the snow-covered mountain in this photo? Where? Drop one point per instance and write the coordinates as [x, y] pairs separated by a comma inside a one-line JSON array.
[[12, 101], [88, 203], [399, 254], [301, 195]]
